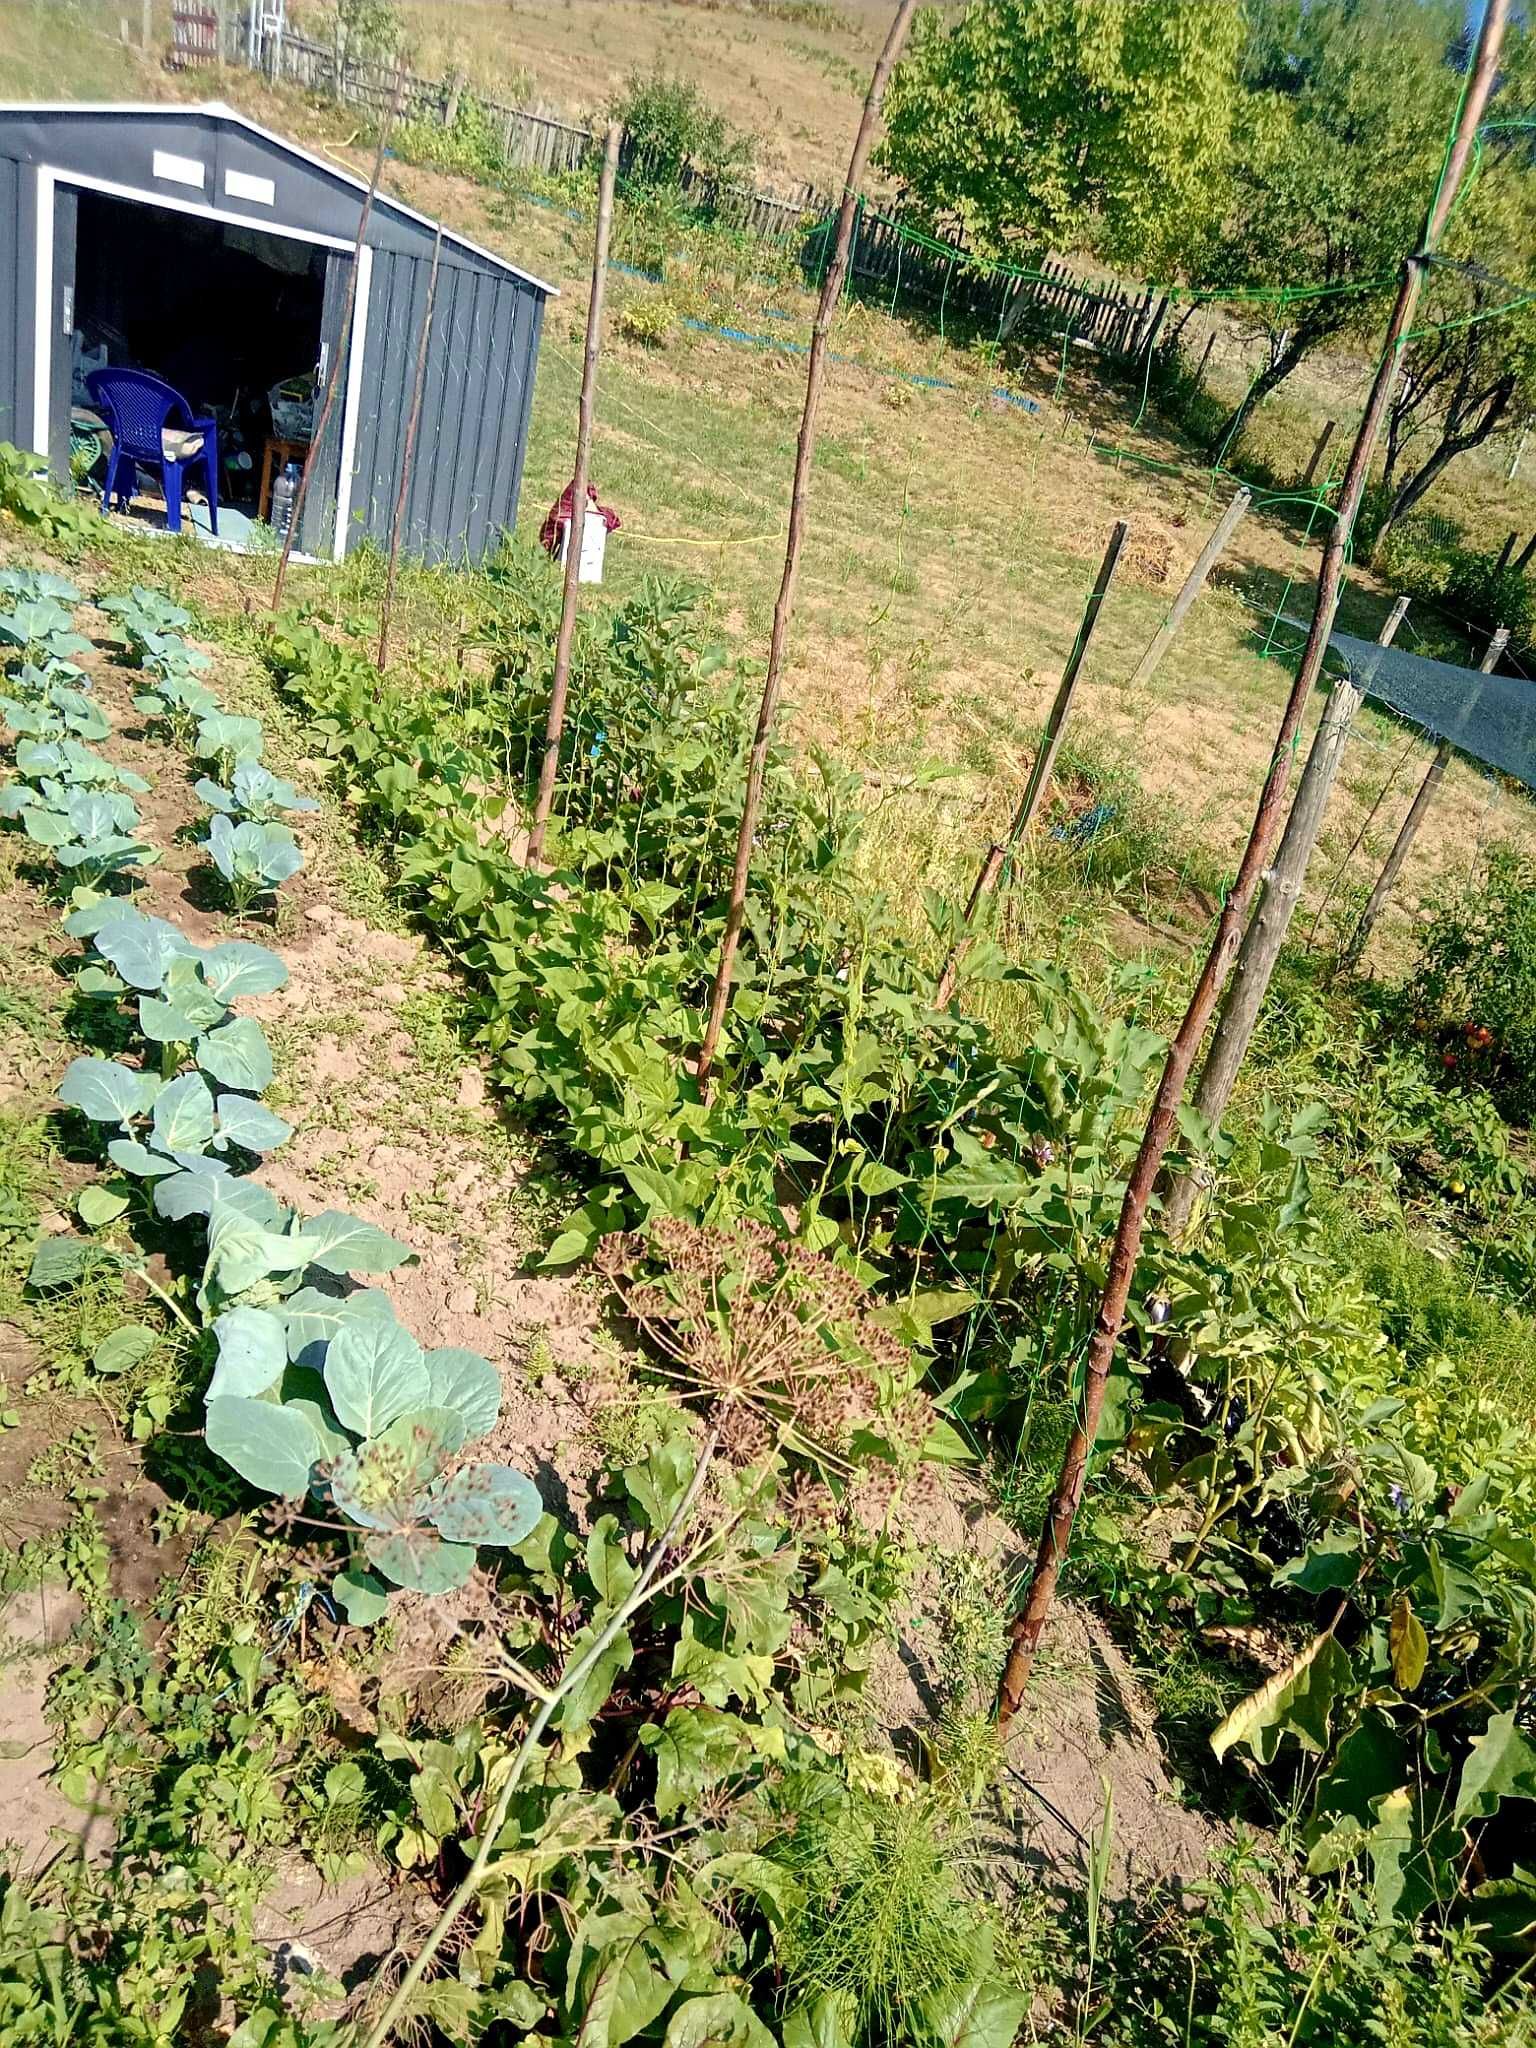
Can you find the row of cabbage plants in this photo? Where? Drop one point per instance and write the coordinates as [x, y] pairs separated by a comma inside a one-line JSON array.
[[317, 1392]]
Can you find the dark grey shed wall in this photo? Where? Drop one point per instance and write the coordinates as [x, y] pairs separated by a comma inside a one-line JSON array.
[[476, 394], [12, 338], [486, 326]]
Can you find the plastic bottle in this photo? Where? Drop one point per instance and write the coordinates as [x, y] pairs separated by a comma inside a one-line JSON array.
[[284, 491]]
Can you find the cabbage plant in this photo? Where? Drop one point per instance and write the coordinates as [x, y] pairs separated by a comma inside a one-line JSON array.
[[254, 792], [183, 992], [40, 627], [255, 860], [143, 616], [77, 766], [90, 832], [326, 1397], [180, 702], [18, 584], [225, 741]]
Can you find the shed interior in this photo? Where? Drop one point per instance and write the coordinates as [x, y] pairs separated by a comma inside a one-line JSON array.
[[222, 312]]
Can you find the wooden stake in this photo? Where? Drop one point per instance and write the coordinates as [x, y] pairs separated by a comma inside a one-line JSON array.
[[1056, 1535], [333, 382], [1330, 427], [1392, 866], [407, 456], [1041, 771], [575, 531], [1260, 952], [1194, 583], [799, 497]]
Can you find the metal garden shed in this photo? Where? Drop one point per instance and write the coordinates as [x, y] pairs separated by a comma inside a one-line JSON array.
[[189, 241]]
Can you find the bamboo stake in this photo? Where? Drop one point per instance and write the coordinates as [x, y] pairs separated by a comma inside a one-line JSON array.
[[1056, 1535], [333, 382], [1040, 773], [407, 456], [1408, 831], [1194, 583], [575, 531], [783, 611]]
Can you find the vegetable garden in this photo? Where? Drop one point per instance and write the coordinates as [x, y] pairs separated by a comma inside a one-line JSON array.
[[867, 1261], [717, 1731]]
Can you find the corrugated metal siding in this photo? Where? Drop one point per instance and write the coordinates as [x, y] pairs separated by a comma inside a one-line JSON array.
[[11, 299], [474, 411]]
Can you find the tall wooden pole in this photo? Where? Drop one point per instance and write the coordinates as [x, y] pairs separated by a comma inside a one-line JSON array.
[[408, 455], [799, 499], [575, 532], [1392, 866], [1194, 583], [343, 339], [1040, 773], [1260, 951], [1055, 1537]]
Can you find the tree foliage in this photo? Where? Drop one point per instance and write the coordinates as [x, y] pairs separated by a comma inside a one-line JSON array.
[[1067, 121], [1339, 130]]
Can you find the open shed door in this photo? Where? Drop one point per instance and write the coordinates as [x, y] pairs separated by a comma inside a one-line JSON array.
[[317, 530], [62, 328]]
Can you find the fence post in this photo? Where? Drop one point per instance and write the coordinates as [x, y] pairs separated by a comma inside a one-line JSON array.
[[783, 610], [575, 532], [451, 98], [1330, 427], [1271, 920], [1040, 772], [1392, 866], [147, 24], [1194, 583]]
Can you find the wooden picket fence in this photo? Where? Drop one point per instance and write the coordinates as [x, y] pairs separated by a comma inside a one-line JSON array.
[[1054, 304]]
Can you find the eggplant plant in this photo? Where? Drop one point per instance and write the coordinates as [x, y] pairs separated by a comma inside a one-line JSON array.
[[254, 792], [255, 860], [326, 1397]]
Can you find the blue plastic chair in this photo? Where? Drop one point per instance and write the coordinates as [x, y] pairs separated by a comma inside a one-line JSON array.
[[138, 408]]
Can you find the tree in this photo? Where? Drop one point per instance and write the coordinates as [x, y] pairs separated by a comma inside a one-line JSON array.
[[1470, 370], [1339, 126], [1068, 123]]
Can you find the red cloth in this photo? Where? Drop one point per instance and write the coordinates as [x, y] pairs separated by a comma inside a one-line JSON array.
[[559, 515]]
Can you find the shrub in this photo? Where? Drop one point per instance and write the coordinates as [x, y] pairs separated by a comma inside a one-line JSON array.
[[669, 123], [647, 320], [1474, 985]]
